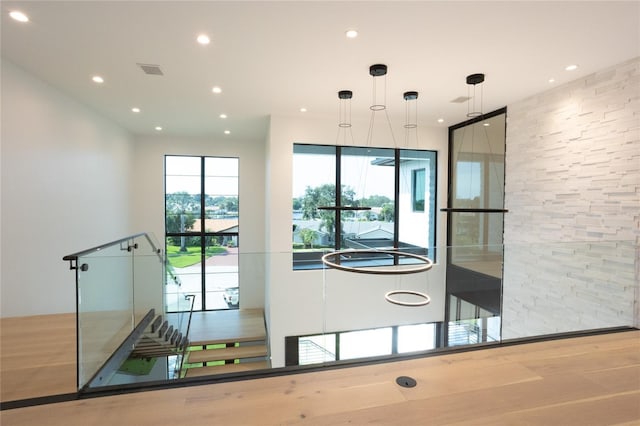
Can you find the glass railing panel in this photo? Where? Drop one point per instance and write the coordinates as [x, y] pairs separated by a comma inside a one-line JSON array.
[[104, 306], [221, 272], [374, 314], [147, 276], [570, 286], [318, 317]]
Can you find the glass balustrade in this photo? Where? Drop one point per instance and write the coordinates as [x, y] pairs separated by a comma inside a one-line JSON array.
[[279, 317]]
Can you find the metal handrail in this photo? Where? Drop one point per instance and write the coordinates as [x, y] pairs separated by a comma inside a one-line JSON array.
[[74, 256], [184, 349]]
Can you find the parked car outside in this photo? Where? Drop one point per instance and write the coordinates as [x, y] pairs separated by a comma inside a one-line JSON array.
[[231, 296]]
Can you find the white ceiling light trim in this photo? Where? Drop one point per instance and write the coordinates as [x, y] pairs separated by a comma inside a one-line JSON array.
[[351, 33], [18, 16], [203, 39]]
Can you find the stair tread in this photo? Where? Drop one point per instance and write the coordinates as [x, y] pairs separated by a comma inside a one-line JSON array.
[[227, 353], [236, 339], [226, 368]]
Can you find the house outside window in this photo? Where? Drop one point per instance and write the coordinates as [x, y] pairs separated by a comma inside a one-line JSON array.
[[375, 207]]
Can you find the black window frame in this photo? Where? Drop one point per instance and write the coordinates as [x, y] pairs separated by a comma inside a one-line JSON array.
[[312, 260], [204, 236], [292, 354]]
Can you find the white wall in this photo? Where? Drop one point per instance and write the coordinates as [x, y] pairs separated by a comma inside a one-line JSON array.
[[306, 302], [414, 228], [573, 175], [65, 188], [148, 201]]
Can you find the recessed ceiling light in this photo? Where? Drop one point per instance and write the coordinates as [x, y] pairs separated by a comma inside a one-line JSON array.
[[227, 132], [223, 115], [135, 109], [440, 120], [303, 109], [158, 128], [97, 79], [203, 39], [552, 80], [19, 16], [351, 33], [571, 67], [486, 124], [216, 89]]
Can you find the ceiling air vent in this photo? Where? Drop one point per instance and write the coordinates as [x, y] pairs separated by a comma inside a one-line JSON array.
[[460, 99], [151, 69]]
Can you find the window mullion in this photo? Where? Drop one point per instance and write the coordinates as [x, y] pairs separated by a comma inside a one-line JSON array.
[[203, 242], [338, 202], [396, 203]]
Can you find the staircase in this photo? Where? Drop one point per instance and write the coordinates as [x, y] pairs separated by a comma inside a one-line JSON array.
[[159, 339], [226, 342]]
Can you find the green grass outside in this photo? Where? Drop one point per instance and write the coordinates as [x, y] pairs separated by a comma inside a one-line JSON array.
[[179, 259], [187, 365]]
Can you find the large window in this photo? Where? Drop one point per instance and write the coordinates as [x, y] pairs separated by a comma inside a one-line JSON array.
[[329, 347], [362, 198], [201, 230]]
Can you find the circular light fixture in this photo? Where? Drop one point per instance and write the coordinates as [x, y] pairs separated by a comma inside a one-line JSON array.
[[158, 128], [424, 263], [227, 132], [19, 16], [303, 109], [422, 298], [351, 33], [440, 120], [203, 39], [216, 89], [135, 109], [223, 116], [97, 79], [571, 67], [552, 80], [486, 124]]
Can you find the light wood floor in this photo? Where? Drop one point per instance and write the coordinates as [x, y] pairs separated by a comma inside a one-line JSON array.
[[592, 380], [38, 353], [37, 356]]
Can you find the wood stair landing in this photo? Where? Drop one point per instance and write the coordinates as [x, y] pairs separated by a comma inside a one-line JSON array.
[[226, 368], [225, 354], [242, 335]]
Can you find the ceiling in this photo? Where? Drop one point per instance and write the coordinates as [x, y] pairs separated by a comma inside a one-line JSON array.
[[277, 57]]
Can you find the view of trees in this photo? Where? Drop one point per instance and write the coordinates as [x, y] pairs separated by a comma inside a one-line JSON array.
[[325, 195], [182, 210]]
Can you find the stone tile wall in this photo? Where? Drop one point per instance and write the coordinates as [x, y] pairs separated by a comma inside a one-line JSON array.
[[572, 177]]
